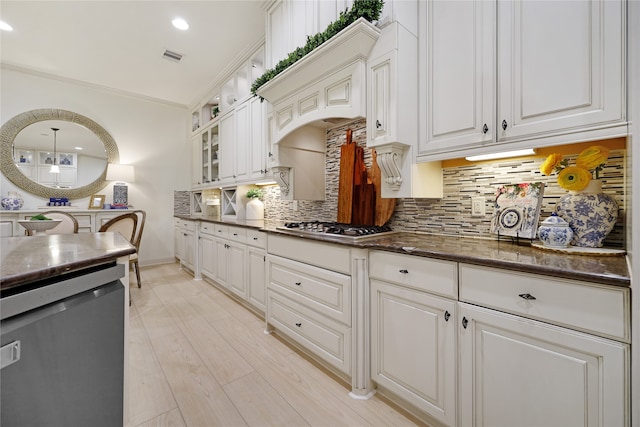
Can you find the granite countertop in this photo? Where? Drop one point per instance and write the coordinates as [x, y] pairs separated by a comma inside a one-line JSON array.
[[26, 259], [610, 270], [256, 224]]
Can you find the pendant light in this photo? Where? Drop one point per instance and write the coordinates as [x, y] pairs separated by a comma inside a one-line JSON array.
[[54, 167]]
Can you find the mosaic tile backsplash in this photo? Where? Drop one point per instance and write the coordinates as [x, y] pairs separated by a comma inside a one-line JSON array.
[[450, 215]]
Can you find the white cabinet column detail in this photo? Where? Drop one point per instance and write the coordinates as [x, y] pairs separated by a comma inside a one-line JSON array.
[[361, 387]]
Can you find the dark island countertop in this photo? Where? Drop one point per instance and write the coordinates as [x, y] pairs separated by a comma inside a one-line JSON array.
[[610, 270], [26, 259]]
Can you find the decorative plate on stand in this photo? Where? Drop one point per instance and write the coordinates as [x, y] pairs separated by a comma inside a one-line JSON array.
[[517, 210]]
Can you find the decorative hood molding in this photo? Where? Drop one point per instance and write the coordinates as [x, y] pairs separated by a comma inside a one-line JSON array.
[[351, 44], [328, 83]]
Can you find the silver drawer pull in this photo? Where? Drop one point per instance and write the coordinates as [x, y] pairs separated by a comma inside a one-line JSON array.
[[235, 234], [528, 297], [298, 324], [298, 283], [404, 271], [255, 238]]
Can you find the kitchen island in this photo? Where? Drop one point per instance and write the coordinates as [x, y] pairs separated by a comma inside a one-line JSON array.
[[63, 314]]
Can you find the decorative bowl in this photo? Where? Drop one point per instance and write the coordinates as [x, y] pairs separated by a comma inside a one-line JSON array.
[[39, 225]]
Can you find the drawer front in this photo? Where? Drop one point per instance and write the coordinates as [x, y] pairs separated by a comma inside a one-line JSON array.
[[257, 238], [435, 276], [602, 310], [328, 340], [325, 291], [207, 228], [237, 234], [183, 223], [326, 255], [221, 230]]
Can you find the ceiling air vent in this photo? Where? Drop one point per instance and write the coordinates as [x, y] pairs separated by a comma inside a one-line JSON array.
[[172, 56]]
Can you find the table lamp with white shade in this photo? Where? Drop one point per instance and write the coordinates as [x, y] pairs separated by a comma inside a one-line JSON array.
[[122, 174]]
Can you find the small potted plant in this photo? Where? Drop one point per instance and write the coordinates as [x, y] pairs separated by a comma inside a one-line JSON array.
[[255, 207]]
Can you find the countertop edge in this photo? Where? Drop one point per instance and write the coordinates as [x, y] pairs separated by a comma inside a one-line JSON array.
[[375, 244]]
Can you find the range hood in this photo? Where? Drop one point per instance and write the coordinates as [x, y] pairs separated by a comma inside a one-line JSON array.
[[325, 85]]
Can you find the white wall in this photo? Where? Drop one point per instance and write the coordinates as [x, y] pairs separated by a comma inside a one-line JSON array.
[[150, 135]]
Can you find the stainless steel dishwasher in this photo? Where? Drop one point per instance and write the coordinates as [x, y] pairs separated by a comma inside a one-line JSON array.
[[62, 353]]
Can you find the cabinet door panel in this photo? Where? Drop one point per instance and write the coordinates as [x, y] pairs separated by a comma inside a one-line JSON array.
[[460, 73], [565, 74], [381, 81], [208, 261], [235, 272], [258, 149], [227, 147], [221, 255], [521, 372], [256, 278], [241, 140], [413, 347]]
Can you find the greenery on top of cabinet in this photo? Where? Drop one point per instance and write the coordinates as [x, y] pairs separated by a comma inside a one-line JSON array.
[[367, 9]]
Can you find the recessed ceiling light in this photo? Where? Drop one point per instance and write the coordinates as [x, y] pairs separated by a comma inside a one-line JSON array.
[[180, 24], [5, 27], [78, 148]]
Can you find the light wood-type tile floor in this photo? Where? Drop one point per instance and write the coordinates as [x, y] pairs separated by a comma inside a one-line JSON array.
[[197, 358]]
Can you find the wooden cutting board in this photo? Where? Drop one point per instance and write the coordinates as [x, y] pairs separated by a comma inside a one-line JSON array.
[[383, 207], [364, 197], [345, 183]]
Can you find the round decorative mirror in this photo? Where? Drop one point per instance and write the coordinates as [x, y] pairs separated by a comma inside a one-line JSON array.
[[32, 142]]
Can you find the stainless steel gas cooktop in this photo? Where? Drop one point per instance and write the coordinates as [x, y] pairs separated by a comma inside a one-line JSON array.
[[338, 229]]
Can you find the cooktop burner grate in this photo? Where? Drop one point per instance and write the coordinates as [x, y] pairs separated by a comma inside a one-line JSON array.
[[337, 229]]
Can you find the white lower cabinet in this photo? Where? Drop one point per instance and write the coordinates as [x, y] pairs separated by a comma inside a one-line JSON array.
[[234, 257], [538, 351], [413, 338], [185, 242], [256, 275], [413, 331], [521, 372], [207, 250], [230, 259], [311, 304]]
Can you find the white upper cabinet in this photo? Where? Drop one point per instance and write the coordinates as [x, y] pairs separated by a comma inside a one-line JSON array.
[[491, 73], [565, 75], [392, 74], [227, 148], [258, 150], [458, 74]]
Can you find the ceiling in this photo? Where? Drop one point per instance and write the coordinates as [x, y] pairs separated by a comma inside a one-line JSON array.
[[120, 44]]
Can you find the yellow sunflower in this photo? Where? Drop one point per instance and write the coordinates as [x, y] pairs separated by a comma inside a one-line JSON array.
[[552, 162], [574, 178]]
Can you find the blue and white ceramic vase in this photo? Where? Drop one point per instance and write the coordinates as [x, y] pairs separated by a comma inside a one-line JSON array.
[[591, 214], [555, 232], [12, 202]]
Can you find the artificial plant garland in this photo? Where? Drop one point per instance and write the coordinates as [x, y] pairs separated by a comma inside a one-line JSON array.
[[367, 9]]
